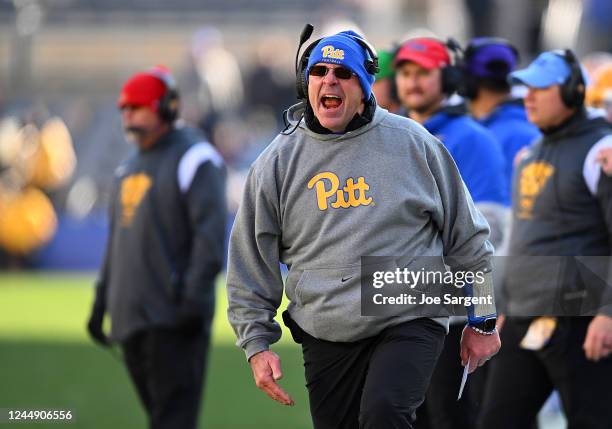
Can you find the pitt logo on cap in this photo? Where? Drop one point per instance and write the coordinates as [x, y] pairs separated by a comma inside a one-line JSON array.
[[351, 195], [330, 52]]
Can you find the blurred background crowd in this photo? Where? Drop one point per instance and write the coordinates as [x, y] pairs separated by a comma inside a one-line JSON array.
[[64, 61]]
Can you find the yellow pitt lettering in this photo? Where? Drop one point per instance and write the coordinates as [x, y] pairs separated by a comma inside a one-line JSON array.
[[351, 195], [362, 187], [322, 194], [330, 52]]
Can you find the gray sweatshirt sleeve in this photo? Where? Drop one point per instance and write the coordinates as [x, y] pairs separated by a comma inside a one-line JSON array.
[[254, 282], [465, 231]]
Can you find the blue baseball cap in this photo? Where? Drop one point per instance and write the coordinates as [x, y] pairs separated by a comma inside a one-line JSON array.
[[549, 68], [342, 49]]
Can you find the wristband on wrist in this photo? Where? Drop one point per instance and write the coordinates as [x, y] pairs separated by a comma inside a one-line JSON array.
[[485, 324], [481, 332]]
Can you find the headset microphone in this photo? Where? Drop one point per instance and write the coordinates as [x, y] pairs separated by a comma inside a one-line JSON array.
[[306, 33]]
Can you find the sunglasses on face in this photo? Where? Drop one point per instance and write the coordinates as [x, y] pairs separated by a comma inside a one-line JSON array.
[[339, 72]]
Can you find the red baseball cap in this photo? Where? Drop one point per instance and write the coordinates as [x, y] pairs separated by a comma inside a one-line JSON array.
[[426, 52], [142, 89]]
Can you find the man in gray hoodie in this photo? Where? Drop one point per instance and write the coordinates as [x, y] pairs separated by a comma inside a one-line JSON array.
[[352, 180]]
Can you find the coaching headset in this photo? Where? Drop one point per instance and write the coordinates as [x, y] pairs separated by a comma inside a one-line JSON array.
[[573, 89], [451, 74], [301, 83], [168, 104]]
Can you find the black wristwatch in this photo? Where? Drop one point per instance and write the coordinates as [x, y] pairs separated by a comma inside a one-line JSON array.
[[486, 326]]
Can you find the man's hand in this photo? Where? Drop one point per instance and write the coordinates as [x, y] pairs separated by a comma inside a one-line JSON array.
[[94, 326], [266, 370], [598, 342], [478, 348], [190, 317], [604, 158]]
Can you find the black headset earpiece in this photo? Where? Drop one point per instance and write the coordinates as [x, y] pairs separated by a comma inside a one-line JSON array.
[[452, 74], [301, 78], [371, 63], [573, 89], [168, 107]]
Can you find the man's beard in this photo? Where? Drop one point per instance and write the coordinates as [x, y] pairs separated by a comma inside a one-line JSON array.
[[425, 107], [135, 134]]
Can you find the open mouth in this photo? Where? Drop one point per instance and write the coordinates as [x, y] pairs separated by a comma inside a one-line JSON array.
[[331, 101]]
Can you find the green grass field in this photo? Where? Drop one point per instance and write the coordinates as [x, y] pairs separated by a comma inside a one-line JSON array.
[[48, 362]]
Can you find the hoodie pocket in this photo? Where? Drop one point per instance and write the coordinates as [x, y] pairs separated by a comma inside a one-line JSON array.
[[319, 287], [330, 298], [328, 301]]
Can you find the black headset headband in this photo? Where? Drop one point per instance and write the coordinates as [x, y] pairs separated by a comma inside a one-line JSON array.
[[573, 89], [169, 102]]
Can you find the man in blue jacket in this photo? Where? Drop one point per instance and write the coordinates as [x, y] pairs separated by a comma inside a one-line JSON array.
[[425, 80], [487, 63]]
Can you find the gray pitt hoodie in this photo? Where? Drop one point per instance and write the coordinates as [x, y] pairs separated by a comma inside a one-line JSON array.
[[318, 202]]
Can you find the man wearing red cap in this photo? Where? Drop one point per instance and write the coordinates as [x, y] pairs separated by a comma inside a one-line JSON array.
[[165, 248], [426, 78]]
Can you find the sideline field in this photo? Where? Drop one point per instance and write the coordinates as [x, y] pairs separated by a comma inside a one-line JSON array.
[[47, 362]]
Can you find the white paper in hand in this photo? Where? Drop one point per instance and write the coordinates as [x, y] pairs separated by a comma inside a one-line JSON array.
[[466, 370]]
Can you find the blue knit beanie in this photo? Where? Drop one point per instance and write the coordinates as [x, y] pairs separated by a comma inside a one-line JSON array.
[[342, 49]]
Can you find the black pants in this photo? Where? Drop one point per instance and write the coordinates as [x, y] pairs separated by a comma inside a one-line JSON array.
[[441, 409], [520, 381], [377, 382], [167, 367]]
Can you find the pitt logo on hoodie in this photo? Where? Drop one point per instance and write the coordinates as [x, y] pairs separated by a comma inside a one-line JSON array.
[[351, 195], [532, 179], [133, 189], [330, 52]]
